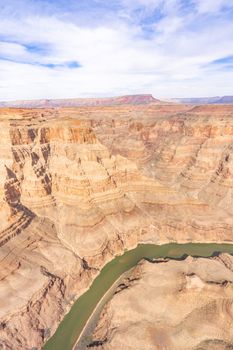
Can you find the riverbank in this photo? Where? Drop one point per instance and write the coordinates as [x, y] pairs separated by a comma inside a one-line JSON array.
[[81, 312], [85, 335]]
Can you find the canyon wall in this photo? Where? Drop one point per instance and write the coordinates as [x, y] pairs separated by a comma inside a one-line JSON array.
[[78, 102], [79, 185], [171, 305]]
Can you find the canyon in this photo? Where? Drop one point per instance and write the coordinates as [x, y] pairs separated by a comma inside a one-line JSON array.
[[82, 184], [83, 102], [178, 305]]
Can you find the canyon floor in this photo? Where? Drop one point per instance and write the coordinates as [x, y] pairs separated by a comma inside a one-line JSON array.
[[171, 305], [80, 185]]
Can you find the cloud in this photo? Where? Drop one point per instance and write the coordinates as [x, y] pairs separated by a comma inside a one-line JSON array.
[[213, 6], [104, 48]]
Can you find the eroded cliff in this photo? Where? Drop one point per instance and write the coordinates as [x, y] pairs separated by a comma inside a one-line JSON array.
[[81, 185], [172, 305]]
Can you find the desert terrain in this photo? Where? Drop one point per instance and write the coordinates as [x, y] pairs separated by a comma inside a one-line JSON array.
[[82, 184], [178, 305]]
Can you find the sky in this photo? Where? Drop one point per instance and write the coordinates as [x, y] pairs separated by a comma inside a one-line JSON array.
[[98, 48]]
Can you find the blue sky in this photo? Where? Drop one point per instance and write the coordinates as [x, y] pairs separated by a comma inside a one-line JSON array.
[[85, 48]]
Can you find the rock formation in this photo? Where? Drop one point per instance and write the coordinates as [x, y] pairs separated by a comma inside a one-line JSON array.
[[79, 185], [171, 305], [77, 102]]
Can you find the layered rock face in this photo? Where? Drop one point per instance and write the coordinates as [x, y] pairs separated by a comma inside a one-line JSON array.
[[77, 102], [172, 305], [81, 185]]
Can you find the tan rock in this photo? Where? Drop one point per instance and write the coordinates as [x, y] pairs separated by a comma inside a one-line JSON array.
[[174, 305], [83, 184]]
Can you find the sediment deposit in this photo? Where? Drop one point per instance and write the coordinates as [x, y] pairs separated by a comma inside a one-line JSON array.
[[79, 185]]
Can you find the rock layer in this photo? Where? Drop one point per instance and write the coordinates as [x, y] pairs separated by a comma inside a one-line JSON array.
[[77, 102], [171, 305], [80, 185]]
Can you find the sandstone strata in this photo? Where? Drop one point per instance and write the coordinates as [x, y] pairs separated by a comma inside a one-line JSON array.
[[173, 305], [79, 185], [77, 102]]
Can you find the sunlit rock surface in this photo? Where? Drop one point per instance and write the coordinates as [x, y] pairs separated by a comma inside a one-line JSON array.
[[173, 305], [79, 185]]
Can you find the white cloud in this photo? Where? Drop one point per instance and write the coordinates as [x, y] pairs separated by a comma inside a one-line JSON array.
[[144, 4], [211, 6], [116, 57]]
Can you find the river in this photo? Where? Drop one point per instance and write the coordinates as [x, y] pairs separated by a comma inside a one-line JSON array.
[[74, 322]]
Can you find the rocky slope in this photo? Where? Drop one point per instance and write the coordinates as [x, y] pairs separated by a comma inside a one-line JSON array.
[[171, 305], [77, 102], [79, 185]]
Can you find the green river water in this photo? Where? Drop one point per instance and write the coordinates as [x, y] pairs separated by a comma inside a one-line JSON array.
[[73, 323]]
